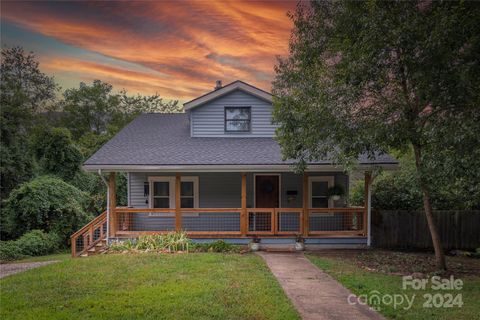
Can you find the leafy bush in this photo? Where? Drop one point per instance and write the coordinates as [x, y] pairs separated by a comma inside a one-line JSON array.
[[46, 203], [399, 190], [216, 246], [10, 250], [38, 243], [170, 242], [33, 243], [55, 151]]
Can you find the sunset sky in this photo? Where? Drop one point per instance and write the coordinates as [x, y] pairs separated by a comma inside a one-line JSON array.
[[176, 49]]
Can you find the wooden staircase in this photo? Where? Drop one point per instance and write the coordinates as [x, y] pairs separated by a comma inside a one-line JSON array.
[[91, 239]]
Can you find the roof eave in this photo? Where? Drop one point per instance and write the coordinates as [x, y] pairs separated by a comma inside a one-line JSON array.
[[237, 85], [231, 168]]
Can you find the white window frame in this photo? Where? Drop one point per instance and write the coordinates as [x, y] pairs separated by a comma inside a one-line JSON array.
[[171, 180], [193, 179], [330, 183]]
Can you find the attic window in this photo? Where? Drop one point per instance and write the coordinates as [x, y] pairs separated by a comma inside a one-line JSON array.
[[237, 119]]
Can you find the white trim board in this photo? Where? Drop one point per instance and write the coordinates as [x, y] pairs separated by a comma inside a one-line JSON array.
[[236, 85], [230, 168]]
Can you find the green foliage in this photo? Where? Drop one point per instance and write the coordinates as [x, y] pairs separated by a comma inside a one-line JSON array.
[[38, 243], [215, 246], [24, 90], [94, 113], [169, 242], [336, 190], [33, 243], [55, 152], [10, 251], [400, 190], [47, 203]]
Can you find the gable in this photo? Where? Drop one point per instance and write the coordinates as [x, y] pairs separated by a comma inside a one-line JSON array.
[[221, 91], [208, 120]]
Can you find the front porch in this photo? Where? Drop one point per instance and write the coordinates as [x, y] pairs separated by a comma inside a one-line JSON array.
[[234, 224]]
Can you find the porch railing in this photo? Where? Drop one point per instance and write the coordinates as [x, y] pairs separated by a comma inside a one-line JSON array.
[[216, 222], [88, 236]]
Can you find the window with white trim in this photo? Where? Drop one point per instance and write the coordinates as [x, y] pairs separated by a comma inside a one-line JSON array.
[[318, 192], [189, 192], [162, 193]]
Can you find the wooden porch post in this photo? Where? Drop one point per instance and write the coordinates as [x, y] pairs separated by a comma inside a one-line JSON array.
[[305, 205], [243, 214], [178, 212], [366, 211], [112, 204]]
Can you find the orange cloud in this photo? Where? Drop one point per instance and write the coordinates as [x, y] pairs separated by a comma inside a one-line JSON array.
[[187, 45]]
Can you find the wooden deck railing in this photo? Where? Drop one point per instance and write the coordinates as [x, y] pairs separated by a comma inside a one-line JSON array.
[[222, 223], [88, 236], [227, 222]]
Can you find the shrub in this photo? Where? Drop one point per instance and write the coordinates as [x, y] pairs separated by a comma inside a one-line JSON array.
[[33, 243], [10, 250], [170, 242], [46, 203], [216, 246], [38, 243]]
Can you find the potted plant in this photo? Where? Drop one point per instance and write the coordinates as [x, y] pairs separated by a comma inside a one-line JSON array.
[[255, 244], [335, 192], [299, 243]]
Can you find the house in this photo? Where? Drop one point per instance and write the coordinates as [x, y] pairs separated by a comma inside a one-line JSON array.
[[216, 171]]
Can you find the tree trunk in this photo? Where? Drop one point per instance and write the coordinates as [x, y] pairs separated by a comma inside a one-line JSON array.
[[432, 224]]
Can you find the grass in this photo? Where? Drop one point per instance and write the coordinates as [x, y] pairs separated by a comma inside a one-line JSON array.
[[147, 286], [56, 256], [347, 269]]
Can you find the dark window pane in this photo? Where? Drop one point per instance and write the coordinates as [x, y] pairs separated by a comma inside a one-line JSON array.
[[319, 202], [319, 188], [187, 188], [186, 202], [237, 113], [238, 125], [161, 202], [161, 189]]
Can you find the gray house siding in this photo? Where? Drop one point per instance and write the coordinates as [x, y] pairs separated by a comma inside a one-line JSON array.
[[223, 189], [209, 120]]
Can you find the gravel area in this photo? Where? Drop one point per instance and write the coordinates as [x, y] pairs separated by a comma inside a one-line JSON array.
[[12, 268]]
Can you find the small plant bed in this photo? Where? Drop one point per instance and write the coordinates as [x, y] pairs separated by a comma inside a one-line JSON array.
[[174, 242], [147, 286], [379, 273]]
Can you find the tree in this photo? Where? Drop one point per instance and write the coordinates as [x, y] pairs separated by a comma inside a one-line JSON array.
[[364, 77], [24, 91], [96, 112], [46, 203], [55, 152]]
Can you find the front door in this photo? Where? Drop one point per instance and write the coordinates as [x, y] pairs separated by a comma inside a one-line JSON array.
[[267, 191]]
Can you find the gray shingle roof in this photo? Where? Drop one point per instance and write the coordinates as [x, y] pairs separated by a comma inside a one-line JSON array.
[[164, 139]]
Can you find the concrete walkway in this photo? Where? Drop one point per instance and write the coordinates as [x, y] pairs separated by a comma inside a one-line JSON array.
[[12, 268], [316, 295]]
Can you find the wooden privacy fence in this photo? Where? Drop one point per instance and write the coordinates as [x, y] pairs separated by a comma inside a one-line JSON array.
[[408, 229]]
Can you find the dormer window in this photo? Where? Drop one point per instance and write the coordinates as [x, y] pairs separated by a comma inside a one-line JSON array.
[[237, 119]]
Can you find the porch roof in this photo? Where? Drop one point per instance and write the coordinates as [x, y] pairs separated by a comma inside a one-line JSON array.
[[164, 140]]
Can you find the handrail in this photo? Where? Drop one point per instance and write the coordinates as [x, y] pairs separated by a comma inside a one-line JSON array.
[[93, 221], [89, 230]]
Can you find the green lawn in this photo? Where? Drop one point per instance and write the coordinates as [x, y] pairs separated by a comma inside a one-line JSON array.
[[147, 286], [56, 256], [348, 271]]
